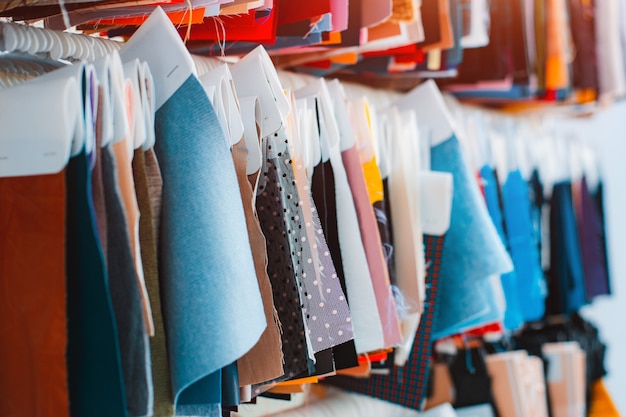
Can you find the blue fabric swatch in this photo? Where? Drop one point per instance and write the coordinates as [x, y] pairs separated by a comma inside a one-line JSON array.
[[473, 249], [566, 286], [96, 384], [513, 315], [212, 306], [530, 286]]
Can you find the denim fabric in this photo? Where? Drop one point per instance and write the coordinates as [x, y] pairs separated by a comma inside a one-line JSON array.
[[566, 285], [473, 250], [93, 352], [513, 315], [531, 286], [212, 307], [591, 245], [598, 200]]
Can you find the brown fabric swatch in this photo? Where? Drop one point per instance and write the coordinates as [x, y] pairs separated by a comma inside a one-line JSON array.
[[129, 200], [264, 362], [163, 401], [155, 189]]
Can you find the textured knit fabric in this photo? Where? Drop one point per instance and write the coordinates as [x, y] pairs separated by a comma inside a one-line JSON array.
[[473, 249], [163, 401], [211, 303], [32, 300], [131, 210], [408, 385], [126, 298], [155, 189]]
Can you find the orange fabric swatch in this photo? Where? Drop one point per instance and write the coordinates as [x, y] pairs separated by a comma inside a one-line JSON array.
[[33, 318]]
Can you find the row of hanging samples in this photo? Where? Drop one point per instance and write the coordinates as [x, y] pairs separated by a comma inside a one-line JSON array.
[[214, 232]]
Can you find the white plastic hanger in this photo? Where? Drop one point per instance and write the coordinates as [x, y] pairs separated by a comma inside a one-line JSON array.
[[436, 210], [91, 107], [225, 102], [102, 68], [121, 126], [384, 129], [309, 133], [55, 102], [347, 138], [431, 111], [148, 105], [319, 97], [59, 45], [157, 42], [133, 73], [365, 135], [255, 75], [251, 116]]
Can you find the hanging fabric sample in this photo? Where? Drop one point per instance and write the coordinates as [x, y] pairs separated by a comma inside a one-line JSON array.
[[464, 303], [408, 385], [566, 284], [283, 268], [468, 294], [530, 283], [125, 296], [145, 174], [368, 332], [34, 315], [591, 243], [264, 362], [203, 234], [513, 315], [328, 292]]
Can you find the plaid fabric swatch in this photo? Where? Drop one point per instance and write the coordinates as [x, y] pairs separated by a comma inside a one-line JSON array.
[[408, 385]]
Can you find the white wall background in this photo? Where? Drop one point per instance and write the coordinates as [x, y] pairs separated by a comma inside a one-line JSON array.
[[608, 130]]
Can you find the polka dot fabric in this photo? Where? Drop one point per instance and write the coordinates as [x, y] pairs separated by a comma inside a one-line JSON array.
[[326, 312], [271, 207]]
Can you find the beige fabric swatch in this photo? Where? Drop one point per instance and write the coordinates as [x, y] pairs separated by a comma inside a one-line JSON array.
[[163, 401]]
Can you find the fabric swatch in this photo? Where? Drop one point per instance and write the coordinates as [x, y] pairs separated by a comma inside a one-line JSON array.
[[126, 298], [469, 260], [530, 284], [264, 362], [33, 299], [408, 385], [163, 401], [211, 303]]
